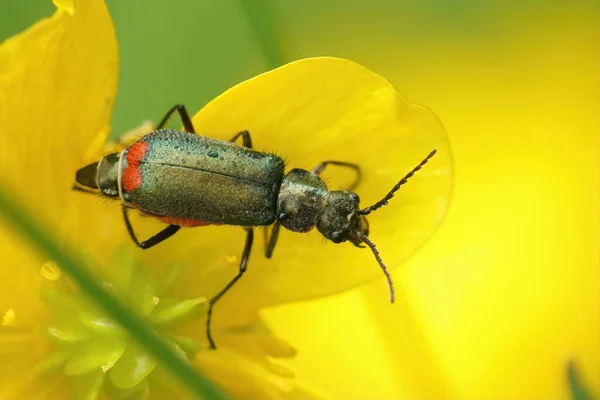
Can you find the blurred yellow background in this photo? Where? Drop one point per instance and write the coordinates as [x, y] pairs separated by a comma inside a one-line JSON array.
[[508, 291]]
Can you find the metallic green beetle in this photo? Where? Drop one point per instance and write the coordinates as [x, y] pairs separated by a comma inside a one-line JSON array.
[[189, 180]]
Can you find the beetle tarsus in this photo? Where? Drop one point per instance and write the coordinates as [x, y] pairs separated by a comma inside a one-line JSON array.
[[160, 236]]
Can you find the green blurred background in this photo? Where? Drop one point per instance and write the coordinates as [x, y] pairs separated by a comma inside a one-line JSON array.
[[189, 51]]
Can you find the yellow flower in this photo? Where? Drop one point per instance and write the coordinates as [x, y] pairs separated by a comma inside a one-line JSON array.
[[57, 86]]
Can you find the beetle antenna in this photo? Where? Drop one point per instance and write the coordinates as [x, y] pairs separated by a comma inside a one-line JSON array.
[[369, 243], [384, 201]]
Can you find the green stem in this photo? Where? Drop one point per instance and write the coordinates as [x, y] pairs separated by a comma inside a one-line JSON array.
[[576, 386], [23, 221], [262, 21]]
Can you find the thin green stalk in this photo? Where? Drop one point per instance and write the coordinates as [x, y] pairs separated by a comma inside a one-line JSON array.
[[263, 23], [576, 386], [23, 221]]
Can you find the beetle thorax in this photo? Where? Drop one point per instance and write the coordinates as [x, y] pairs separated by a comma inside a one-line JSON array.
[[301, 199], [108, 175], [304, 202]]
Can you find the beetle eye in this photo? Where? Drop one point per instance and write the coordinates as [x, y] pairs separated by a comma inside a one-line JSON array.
[[336, 237], [355, 197]]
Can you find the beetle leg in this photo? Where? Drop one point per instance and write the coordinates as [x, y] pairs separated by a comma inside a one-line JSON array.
[[243, 266], [318, 169], [185, 118], [154, 240], [246, 140], [270, 245]]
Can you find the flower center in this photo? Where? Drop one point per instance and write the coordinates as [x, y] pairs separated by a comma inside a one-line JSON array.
[[97, 353]]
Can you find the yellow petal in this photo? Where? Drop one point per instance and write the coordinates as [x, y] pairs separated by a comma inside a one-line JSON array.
[[57, 86], [328, 109], [243, 379]]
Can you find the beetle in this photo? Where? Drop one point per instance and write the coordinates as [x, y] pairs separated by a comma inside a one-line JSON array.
[[189, 180]]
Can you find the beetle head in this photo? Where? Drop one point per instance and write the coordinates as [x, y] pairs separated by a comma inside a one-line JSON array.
[[340, 218]]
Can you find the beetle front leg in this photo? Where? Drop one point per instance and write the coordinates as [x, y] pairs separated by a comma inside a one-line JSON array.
[[270, 244], [243, 266], [185, 118], [321, 167], [246, 140], [154, 240]]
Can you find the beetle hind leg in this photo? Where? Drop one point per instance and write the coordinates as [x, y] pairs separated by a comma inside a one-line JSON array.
[[243, 266]]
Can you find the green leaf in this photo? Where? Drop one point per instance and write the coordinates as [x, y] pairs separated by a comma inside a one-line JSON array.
[[170, 311], [133, 367], [95, 355], [88, 386], [25, 223]]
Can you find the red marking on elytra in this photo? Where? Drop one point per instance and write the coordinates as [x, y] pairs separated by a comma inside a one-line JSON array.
[[183, 222], [136, 152], [186, 223], [132, 176]]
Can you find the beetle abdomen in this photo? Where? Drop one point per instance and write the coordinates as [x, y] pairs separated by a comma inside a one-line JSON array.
[[188, 176]]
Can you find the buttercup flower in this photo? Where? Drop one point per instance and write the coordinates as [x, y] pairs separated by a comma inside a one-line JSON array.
[[57, 87]]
